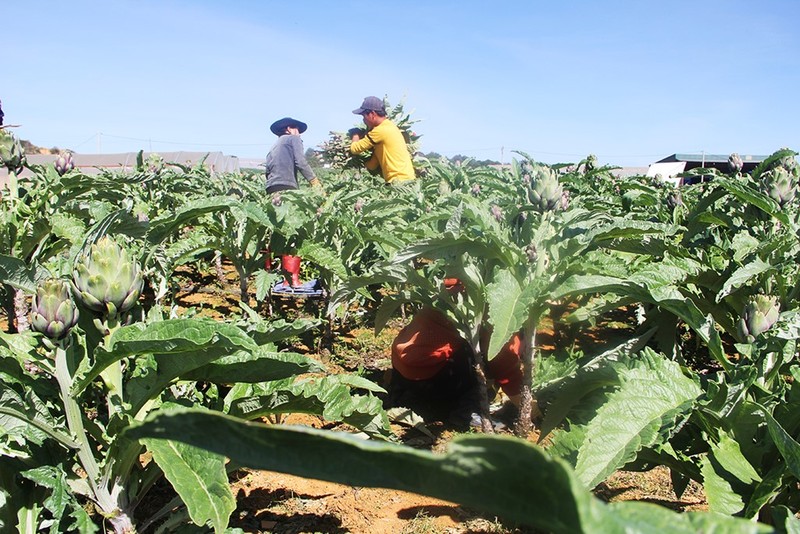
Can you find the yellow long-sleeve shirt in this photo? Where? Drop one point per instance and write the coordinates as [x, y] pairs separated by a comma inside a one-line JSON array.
[[389, 151]]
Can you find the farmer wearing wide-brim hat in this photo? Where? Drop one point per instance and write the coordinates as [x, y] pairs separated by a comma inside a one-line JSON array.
[[390, 153], [285, 158]]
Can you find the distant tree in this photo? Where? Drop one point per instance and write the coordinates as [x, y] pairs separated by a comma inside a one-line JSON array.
[[314, 159]]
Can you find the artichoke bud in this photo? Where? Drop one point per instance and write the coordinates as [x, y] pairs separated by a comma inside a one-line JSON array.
[[276, 199], [674, 199], [779, 185], [444, 187], [545, 193], [64, 163], [564, 200], [12, 156], [53, 312], [758, 316], [476, 190], [735, 163], [359, 205], [497, 213], [532, 253], [154, 163], [107, 280]]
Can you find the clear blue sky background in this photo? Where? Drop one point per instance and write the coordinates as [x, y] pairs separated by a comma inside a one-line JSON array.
[[630, 82]]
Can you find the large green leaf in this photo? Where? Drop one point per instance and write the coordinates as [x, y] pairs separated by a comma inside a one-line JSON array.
[[500, 475], [756, 198], [199, 477], [509, 306], [653, 394], [330, 397], [258, 365], [196, 341]]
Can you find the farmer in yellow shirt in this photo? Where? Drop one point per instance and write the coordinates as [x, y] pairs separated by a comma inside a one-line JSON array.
[[389, 150]]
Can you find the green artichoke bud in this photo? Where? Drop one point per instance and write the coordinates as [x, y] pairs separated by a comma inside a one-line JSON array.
[[64, 163], [154, 163], [674, 199], [444, 187], [780, 185], [758, 316], [53, 312], [12, 156], [107, 280], [546, 193], [735, 163]]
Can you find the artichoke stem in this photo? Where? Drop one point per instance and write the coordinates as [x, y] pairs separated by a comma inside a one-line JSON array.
[[112, 375], [75, 424]]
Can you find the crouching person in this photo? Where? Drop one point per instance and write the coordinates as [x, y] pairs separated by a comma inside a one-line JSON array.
[[432, 374]]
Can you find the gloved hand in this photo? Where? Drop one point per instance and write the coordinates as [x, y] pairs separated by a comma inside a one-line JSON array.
[[315, 182]]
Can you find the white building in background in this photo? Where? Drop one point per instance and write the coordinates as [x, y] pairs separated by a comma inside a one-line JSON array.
[[670, 167]]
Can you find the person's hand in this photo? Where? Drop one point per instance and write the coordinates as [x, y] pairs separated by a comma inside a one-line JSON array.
[[315, 183], [356, 134]]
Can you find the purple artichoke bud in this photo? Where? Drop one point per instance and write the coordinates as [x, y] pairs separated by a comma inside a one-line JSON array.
[[64, 163], [735, 163], [564, 200], [476, 190], [107, 280], [53, 312], [497, 213], [358, 206], [532, 253], [758, 316], [276, 199]]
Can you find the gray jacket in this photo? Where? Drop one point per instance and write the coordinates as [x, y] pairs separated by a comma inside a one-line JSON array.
[[285, 158]]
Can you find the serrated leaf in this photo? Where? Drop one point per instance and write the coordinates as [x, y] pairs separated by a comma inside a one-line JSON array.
[[509, 306], [652, 394], [199, 477]]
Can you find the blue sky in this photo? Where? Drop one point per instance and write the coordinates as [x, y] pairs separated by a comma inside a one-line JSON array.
[[630, 82]]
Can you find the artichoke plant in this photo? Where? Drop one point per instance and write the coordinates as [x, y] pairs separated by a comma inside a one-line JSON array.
[[53, 312], [758, 316], [780, 185], [64, 163], [546, 193], [107, 280]]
